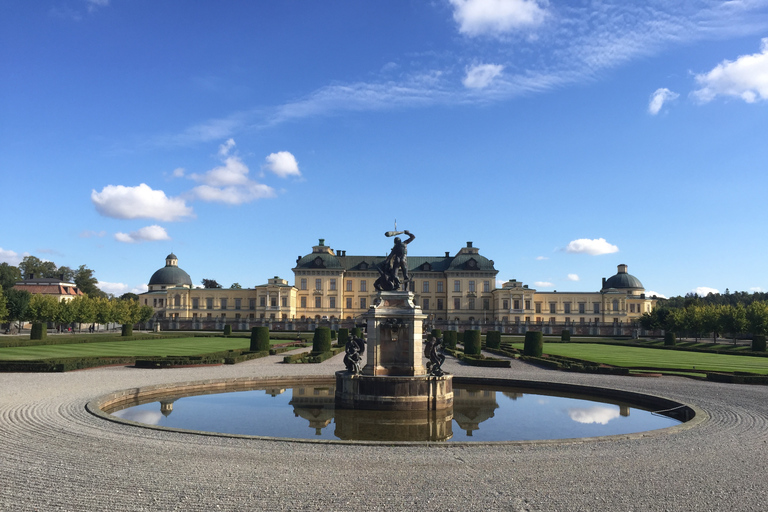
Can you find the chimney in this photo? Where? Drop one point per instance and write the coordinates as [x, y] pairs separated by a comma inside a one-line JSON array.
[[622, 269], [61, 277], [322, 242], [603, 282], [31, 276], [469, 244], [447, 254]]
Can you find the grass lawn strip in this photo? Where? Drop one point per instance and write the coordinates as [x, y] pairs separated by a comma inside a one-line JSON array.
[[139, 348], [636, 357]]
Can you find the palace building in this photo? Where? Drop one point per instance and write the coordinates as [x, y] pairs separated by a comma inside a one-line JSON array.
[[455, 292]]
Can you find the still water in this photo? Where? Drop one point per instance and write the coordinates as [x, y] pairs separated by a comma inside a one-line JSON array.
[[479, 413]]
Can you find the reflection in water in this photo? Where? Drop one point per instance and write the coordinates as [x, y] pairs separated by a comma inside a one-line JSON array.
[[480, 413]]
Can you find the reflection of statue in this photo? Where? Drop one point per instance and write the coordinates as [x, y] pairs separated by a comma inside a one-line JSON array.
[[397, 260], [434, 352], [354, 355]]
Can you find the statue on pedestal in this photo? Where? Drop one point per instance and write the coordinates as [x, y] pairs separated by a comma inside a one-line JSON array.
[[434, 352], [353, 357], [397, 260]]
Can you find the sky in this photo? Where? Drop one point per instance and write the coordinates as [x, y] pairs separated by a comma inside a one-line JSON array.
[[561, 137]]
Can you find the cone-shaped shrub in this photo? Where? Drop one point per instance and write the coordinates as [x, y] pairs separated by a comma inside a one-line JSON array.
[[493, 339], [758, 343], [343, 336], [259, 339], [39, 331], [437, 333], [534, 344], [669, 339], [565, 335], [127, 329], [322, 340], [472, 342], [449, 339], [227, 330]]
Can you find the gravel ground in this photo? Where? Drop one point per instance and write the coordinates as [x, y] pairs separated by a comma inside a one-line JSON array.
[[57, 456]]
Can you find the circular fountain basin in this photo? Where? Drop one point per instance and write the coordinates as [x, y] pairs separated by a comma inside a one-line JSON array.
[[484, 410]]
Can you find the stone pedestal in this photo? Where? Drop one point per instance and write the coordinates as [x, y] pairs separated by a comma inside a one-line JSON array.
[[394, 377]]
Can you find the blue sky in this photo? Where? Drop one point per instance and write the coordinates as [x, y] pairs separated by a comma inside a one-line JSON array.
[[562, 138]]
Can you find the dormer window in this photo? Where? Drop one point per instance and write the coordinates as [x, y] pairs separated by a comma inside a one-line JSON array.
[[472, 263], [426, 266], [363, 266]]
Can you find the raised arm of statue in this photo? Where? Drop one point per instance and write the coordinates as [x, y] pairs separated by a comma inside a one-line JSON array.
[[411, 237]]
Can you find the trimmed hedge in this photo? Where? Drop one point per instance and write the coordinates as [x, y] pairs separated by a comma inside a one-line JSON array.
[[127, 330], [259, 339], [311, 357], [670, 340], [321, 342], [758, 343], [450, 339], [565, 335], [534, 344], [357, 332], [437, 333], [472, 342], [343, 336], [39, 331], [493, 339], [227, 330]]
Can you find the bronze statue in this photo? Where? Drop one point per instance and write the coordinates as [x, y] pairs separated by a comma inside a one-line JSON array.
[[353, 358], [434, 352], [397, 260]]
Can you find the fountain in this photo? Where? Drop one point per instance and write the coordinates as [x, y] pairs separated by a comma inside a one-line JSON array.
[[395, 377]]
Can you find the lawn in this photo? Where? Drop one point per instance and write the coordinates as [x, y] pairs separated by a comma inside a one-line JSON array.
[[636, 357], [141, 348]]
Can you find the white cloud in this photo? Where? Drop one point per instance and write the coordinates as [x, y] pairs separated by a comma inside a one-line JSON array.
[[118, 289], [496, 17], [541, 258], [282, 163], [481, 75], [120, 202], [595, 414], [658, 99], [179, 172], [233, 172], [573, 277], [543, 284], [88, 233], [11, 257], [756, 289], [225, 148], [140, 416], [593, 247], [146, 234], [745, 78], [651, 293], [703, 291], [234, 194]]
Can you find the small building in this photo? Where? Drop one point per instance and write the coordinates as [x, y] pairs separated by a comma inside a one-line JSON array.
[[60, 288]]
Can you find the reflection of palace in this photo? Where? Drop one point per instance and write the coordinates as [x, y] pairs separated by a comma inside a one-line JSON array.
[[456, 291], [472, 406]]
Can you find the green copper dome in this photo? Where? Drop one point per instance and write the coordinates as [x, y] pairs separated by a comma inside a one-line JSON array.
[[623, 281], [171, 274]]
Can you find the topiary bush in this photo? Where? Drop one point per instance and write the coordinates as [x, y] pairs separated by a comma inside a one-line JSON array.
[[259, 339], [472, 342], [449, 339], [321, 342], [343, 336], [127, 329], [670, 339], [493, 339], [227, 330], [39, 331], [565, 335], [534, 344], [437, 333], [357, 332], [333, 334], [758, 343]]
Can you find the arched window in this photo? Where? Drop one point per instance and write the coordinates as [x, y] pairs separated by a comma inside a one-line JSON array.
[[177, 300], [615, 305]]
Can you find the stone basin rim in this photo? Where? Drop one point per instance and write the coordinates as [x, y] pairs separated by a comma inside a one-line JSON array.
[[633, 398]]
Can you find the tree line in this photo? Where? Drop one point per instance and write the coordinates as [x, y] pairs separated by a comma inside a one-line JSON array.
[[738, 314]]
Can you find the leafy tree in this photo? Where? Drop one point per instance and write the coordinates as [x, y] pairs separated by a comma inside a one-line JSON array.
[[236, 286], [757, 318], [9, 276], [17, 302], [734, 320], [65, 313], [104, 309], [87, 283], [129, 296], [32, 265], [42, 308], [145, 313], [3, 307], [84, 309], [66, 274], [210, 283]]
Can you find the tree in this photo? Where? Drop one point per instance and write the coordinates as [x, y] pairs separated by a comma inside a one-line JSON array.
[[236, 286], [32, 265], [104, 310], [3, 307], [757, 318], [210, 283], [65, 274], [9, 276], [17, 302], [734, 320], [129, 296], [87, 283], [84, 310], [65, 313], [42, 308]]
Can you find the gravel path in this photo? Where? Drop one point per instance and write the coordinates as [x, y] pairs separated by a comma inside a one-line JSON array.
[[57, 456]]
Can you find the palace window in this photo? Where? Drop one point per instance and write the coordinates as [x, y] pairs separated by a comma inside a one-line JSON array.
[[363, 286], [273, 302], [472, 286], [304, 302], [486, 286], [505, 304], [263, 302], [457, 286], [581, 308], [538, 307], [457, 303], [439, 287], [631, 308], [615, 305], [566, 307], [528, 304], [285, 301], [349, 285], [318, 284], [486, 304], [332, 302], [223, 303], [349, 302], [425, 287], [595, 307], [471, 303], [332, 284], [439, 304], [362, 303], [238, 303], [318, 302], [553, 307], [195, 303], [251, 303], [517, 304], [425, 304], [303, 284], [209, 303]]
